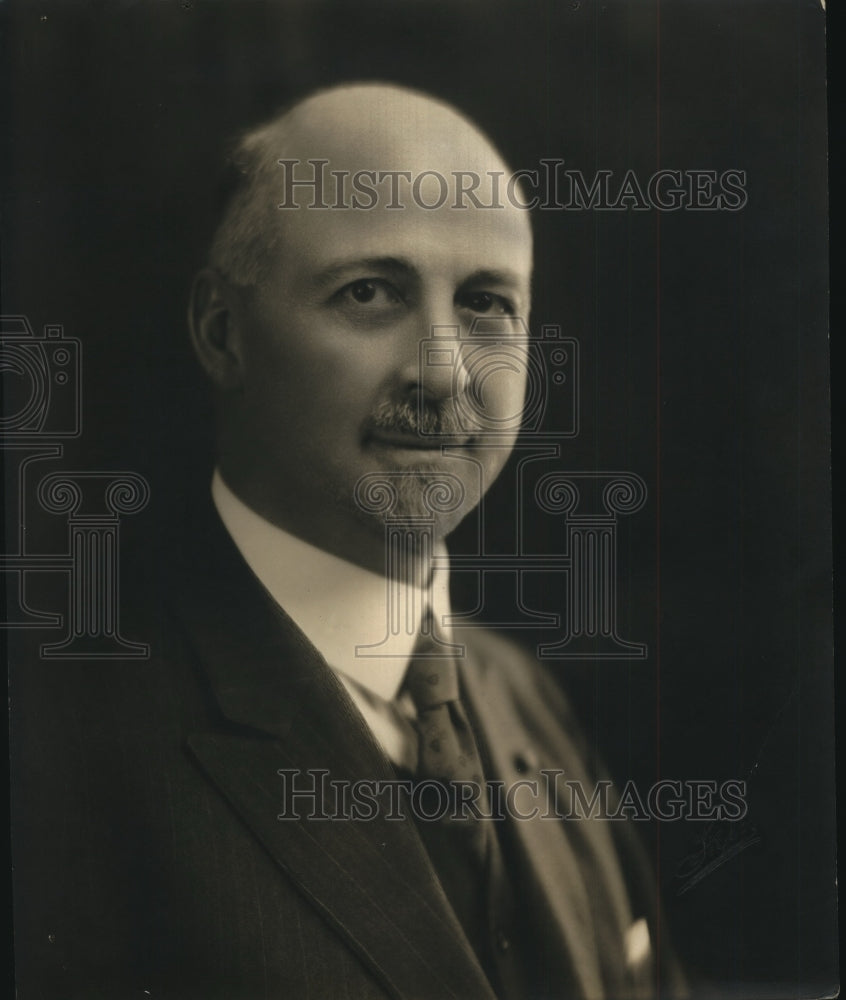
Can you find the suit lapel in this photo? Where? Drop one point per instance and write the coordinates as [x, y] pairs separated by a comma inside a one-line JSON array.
[[554, 857], [285, 710]]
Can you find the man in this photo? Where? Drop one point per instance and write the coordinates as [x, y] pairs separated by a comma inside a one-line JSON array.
[[212, 833]]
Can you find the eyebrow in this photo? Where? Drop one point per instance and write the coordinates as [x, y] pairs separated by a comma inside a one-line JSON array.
[[384, 265], [399, 265], [496, 277]]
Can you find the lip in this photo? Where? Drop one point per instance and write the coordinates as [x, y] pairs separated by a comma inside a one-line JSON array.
[[407, 441]]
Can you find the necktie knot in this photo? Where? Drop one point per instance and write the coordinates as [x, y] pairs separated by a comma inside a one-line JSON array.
[[431, 678]]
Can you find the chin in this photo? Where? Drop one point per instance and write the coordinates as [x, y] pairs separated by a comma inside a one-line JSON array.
[[426, 497]]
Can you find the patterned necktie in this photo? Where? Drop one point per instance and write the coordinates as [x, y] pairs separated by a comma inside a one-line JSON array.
[[447, 753], [460, 849]]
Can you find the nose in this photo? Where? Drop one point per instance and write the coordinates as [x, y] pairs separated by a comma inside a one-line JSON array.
[[442, 362], [436, 364]]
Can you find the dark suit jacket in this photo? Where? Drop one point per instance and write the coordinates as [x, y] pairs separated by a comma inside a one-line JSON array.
[[150, 860]]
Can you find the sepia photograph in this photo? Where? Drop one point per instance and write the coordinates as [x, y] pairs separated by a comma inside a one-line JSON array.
[[417, 544]]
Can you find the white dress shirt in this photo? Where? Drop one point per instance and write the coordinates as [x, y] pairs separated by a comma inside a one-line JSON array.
[[341, 606]]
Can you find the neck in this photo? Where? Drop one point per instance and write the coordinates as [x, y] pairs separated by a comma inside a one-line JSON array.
[[355, 537]]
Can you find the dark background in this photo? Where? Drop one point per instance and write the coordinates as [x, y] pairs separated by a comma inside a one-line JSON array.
[[703, 339]]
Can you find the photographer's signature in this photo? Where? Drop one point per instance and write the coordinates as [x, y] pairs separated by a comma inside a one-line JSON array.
[[719, 842]]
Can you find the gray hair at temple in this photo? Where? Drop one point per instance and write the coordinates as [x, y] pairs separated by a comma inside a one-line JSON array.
[[243, 245]]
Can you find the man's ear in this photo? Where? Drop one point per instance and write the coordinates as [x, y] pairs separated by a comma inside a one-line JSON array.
[[215, 332]]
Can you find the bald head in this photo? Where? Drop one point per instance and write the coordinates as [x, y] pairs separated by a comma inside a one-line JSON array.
[[356, 233], [359, 147], [385, 127]]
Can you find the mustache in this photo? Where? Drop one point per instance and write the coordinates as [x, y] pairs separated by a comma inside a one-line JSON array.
[[424, 417]]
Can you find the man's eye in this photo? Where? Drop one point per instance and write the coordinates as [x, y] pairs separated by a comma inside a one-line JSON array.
[[486, 302], [371, 291]]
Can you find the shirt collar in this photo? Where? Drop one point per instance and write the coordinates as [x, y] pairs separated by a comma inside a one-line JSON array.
[[337, 604]]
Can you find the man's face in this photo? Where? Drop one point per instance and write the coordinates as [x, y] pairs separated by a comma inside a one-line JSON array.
[[333, 384]]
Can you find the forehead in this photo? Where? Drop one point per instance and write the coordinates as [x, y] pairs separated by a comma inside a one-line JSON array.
[[447, 242], [401, 176]]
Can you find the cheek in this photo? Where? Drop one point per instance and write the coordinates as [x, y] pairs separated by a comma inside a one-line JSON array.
[[499, 392], [311, 375]]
